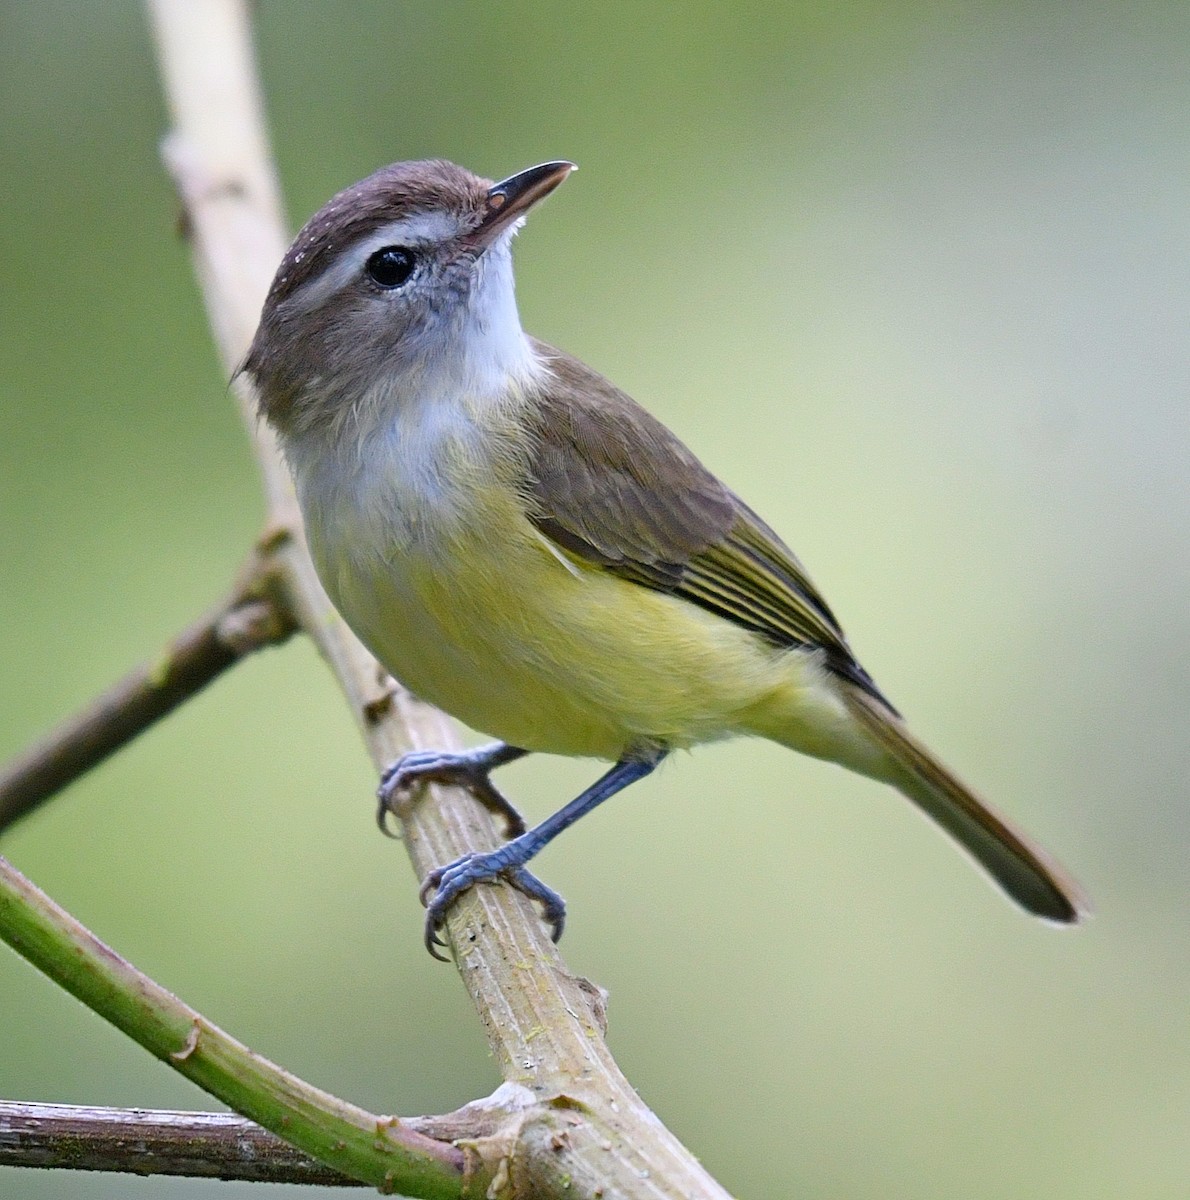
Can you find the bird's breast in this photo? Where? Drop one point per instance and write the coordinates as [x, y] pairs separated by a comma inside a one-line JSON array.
[[429, 555], [449, 587], [421, 540]]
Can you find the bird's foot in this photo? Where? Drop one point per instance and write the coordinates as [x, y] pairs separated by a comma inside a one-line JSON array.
[[447, 883], [470, 769]]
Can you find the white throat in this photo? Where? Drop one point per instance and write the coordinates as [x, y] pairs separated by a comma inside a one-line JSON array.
[[486, 351]]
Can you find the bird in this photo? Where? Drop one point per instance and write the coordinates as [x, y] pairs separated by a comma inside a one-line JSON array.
[[523, 545]]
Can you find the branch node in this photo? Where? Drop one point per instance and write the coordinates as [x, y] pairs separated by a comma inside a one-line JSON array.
[[190, 1045], [193, 181], [251, 625], [272, 538]]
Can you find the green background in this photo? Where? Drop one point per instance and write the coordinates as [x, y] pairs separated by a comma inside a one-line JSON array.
[[913, 278]]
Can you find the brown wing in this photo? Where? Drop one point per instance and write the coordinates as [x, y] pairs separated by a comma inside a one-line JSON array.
[[609, 483]]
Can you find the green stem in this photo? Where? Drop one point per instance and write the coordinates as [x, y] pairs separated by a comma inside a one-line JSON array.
[[377, 1150]]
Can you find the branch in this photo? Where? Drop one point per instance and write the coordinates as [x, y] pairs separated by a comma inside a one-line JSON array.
[[221, 1145], [571, 1124], [200, 1145], [246, 621], [589, 1135], [216, 1145]]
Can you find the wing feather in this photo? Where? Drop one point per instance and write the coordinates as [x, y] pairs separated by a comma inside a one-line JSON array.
[[610, 484]]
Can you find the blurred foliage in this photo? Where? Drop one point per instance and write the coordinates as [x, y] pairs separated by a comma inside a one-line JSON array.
[[913, 279]]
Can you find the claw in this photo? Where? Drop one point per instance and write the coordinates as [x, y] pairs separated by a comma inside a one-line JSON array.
[[428, 885], [432, 941], [383, 810]]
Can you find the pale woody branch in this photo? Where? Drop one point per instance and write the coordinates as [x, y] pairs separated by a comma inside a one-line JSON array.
[[566, 1123], [590, 1135]]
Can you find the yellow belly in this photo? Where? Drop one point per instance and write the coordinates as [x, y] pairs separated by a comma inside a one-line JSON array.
[[498, 629]]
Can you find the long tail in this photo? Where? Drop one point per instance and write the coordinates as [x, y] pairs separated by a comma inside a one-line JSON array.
[[1023, 870]]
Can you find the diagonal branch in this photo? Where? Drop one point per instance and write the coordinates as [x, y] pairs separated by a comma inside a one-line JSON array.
[[379, 1150], [569, 1123], [247, 620], [590, 1134]]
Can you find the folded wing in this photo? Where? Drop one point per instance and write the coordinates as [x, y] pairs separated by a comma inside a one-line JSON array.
[[611, 485]]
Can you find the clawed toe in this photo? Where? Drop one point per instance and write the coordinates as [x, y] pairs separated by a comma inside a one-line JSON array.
[[447, 883], [486, 792], [470, 769], [553, 907], [431, 884], [399, 777]]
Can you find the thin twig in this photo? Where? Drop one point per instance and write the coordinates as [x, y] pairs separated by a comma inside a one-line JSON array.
[[201, 1145], [246, 621]]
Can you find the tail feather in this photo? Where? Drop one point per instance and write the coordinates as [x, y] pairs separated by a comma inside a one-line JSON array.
[[1022, 869]]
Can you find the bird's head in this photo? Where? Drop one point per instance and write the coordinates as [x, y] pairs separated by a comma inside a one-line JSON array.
[[402, 276]]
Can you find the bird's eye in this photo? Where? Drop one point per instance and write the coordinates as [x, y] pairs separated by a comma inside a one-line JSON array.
[[390, 266]]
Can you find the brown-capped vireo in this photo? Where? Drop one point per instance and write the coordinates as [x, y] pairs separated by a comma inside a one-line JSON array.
[[520, 543]]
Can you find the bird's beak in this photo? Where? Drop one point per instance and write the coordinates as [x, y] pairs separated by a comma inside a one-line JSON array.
[[513, 197]]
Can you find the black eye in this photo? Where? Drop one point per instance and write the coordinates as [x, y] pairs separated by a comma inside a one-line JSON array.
[[390, 266]]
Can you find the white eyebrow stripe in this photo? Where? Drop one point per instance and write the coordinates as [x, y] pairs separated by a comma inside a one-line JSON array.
[[418, 229]]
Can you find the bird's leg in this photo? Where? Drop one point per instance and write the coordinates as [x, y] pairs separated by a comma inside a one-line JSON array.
[[469, 768], [508, 862]]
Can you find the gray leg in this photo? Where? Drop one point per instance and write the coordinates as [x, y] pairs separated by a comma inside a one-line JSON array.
[[508, 862]]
